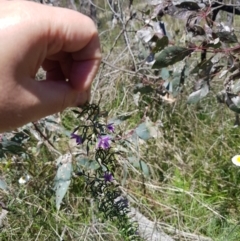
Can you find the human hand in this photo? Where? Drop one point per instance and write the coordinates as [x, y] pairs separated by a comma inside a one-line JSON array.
[[64, 42]]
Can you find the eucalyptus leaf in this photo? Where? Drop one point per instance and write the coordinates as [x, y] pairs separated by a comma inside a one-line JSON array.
[[188, 5], [236, 87], [140, 165], [150, 59], [196, 96], [20, 137], [227, 37], [193, 98], [223, 73], [203, 68], [170, 56], [119, 119], [143, 53], [3, 185], [175, 84], [61, 188], [63, 178], [147, 130], [144, 167], [161, 44], [132, 159], [143, 131], [132, 142], [87, 163], [142, 89], [229, 98], [236, 101], [179, 13], [214, 45], [11, 146], [145, 34], [165, 74]]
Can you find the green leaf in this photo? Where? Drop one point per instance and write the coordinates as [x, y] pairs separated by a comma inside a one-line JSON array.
[[236, 101], [165, 74], [198, 95], [119, 119], [161, 44], [170, 56], [145, 34], [11, 146], [176, 85], [203, 67], [147, 130], [236, 87], [87, 163], [176, 80], [147, 12], [143, 89], [188, 5], [143, 131], [227, 37], [214, 45], [63, 178], [143, 53], [144, 168], [20, 138], [61, 187], [3, 185], [140, 165]]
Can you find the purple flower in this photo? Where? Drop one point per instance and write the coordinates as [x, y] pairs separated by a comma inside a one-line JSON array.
[[108, 177], [104, 142], [110, 127], [78, 138]]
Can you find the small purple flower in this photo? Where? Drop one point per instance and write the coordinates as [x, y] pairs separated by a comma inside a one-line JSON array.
[[78, 138], [108, 177], [110, 127], [104, 142]]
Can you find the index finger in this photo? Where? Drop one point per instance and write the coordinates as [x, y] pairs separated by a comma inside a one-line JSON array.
[[75, 34]]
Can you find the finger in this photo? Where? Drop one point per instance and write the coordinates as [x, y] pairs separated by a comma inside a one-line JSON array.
[[54, 71], [29, 104], [57, 96], [82, 42]]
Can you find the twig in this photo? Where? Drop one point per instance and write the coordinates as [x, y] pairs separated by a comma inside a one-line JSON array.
[[46, 140], [124, 25], [100, 73], [130, 72], [96, 6]]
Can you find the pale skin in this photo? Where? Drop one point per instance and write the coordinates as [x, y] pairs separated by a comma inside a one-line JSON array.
[[64, 42]]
